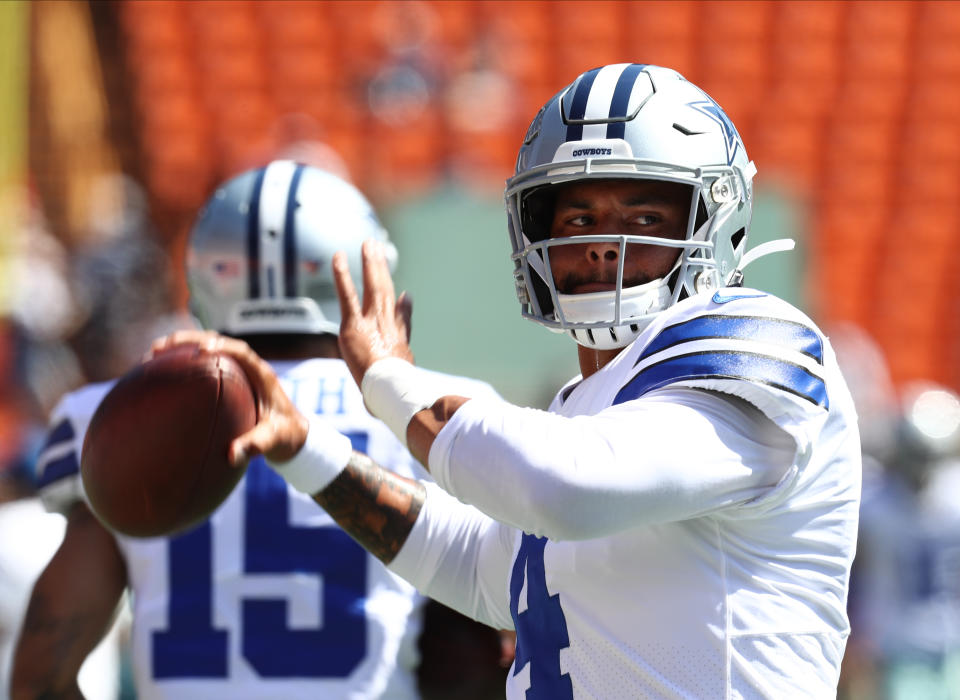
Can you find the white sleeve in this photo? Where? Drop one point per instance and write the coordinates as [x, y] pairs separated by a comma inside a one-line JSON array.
[[460, 557], [58, 465], [672, 455]]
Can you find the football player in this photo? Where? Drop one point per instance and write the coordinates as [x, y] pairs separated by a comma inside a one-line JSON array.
[[681, 522], [267, 598]]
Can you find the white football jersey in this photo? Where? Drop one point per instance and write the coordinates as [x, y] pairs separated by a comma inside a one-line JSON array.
[[663, 539], [268, 598]]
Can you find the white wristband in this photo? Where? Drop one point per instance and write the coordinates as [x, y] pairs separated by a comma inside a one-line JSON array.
[[394, 390], [324, 455]]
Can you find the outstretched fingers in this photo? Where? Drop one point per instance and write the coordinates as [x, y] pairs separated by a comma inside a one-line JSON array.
[[378, 292], [378, 327], [346, 291]]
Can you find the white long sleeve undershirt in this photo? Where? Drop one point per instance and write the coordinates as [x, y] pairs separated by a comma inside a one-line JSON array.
[[457, 555], [673, 455], [670, 456]]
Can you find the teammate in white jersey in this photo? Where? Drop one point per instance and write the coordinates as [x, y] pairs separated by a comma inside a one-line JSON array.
[[681, 522], [268, 598]]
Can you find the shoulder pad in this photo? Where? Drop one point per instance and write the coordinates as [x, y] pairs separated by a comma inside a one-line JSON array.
[[58, 465], [749, 345]]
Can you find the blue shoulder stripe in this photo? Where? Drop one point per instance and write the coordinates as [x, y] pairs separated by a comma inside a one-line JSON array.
[[59, 468], [788, 334], [724, 364], [61, 432], [66, 465]]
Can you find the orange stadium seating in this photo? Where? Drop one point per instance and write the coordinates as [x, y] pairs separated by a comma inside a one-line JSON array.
[[853, 107]]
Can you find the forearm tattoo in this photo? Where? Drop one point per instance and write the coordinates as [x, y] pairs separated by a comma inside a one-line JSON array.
[[50, 636], [373, 505]]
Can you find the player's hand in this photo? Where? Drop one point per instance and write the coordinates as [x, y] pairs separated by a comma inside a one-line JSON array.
[[378, 328], [281, 429]]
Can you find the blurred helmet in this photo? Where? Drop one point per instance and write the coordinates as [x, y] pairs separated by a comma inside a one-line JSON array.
[[928, 431], [639, 122], [259, 257]]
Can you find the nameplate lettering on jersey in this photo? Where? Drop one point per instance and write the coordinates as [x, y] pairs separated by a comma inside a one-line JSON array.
[[58, 458], [331, 395]]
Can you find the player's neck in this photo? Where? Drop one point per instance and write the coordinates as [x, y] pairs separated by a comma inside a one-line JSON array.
[[592, 360]]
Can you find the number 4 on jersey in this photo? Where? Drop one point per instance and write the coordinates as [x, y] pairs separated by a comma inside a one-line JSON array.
[[541, 628]]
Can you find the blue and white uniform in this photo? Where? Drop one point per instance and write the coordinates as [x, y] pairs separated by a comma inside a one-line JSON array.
[[269, 598], [680, 524]]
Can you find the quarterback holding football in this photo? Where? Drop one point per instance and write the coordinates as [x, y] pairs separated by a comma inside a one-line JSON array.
[[682, 521]]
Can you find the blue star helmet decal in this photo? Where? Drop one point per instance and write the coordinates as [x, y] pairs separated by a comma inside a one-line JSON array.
[[730, 135]]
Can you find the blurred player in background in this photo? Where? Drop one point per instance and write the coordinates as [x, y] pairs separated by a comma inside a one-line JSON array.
[[29, 536], [268, 598], [681, 523], [905, 593], [82, 317]]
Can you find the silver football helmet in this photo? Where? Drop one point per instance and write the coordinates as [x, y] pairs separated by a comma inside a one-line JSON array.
[[641, 122], [259, 255]]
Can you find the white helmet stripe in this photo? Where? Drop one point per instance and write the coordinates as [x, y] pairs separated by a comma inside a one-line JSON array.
[[253, 238], [601, 96], [290, 247], [274, 195]]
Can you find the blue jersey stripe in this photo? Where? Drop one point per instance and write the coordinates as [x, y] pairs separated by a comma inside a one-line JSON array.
[[621, 100], [290, 236], [61, 432], [787, 334], [578, 107], [253, 238], [722, 364], [59, 468]]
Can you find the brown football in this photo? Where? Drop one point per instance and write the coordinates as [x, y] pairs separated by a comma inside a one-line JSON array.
[[154, 458]]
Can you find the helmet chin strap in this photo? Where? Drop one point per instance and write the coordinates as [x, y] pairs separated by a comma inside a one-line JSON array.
[[597, 309]]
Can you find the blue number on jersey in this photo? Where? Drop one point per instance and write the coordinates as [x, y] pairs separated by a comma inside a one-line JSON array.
[[541, 628], [274, 546], [193, 648]]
